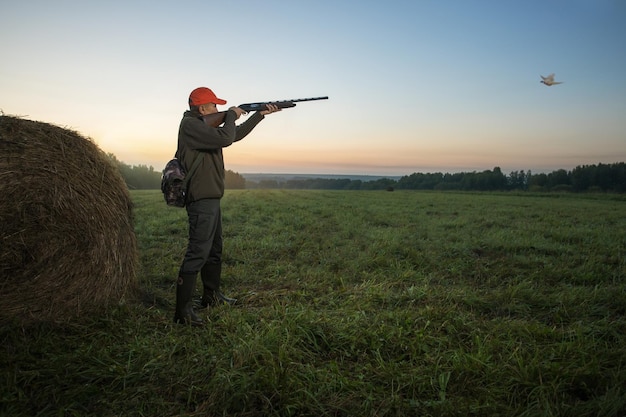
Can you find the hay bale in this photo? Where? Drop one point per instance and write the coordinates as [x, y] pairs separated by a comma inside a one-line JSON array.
[[67, 240]]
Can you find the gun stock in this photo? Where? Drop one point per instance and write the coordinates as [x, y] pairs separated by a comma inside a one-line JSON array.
[[216, 119]]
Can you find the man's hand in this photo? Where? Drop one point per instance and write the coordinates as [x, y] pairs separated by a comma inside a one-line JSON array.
[[271, 108], [237, 111]]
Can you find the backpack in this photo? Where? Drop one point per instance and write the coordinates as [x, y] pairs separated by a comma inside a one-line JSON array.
[[174, 181]]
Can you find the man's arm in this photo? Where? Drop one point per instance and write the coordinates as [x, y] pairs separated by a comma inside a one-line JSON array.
[[202, 137]]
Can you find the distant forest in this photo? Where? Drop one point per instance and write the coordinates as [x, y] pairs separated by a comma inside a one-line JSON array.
[[583, 178]]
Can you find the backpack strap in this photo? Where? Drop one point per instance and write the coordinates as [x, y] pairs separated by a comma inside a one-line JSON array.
[[194, 166]]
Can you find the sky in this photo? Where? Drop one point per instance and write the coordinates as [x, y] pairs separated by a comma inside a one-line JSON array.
[[413, 86]]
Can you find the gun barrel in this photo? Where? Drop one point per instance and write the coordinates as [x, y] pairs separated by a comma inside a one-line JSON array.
[[216, 119], [280, 103], [309, 99]]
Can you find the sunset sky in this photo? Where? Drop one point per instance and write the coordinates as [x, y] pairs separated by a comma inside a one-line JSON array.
[[414, 86]]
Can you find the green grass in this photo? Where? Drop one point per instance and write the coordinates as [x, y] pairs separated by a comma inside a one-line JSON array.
[[355, 303]]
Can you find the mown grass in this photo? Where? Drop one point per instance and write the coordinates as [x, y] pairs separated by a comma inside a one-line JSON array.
[[355, 303]]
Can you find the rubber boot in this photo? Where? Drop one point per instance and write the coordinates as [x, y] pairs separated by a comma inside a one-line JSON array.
[[211, 278], [184, 305]]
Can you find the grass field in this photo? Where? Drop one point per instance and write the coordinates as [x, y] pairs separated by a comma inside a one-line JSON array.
[[355, 303]]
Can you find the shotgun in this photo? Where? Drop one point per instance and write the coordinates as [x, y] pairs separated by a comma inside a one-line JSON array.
[[216, 119]]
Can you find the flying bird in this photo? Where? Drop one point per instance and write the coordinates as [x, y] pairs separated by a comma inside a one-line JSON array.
[[549, 80]]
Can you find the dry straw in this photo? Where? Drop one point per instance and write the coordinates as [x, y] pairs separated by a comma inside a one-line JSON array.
[[67, 244]]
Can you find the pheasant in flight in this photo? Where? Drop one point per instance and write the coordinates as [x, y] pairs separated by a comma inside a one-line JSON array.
[[549, 80]]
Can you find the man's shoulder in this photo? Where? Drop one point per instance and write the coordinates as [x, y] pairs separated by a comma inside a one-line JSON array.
[[190, 115]]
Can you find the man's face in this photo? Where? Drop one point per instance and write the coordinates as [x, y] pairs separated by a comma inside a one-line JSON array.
[[208, 108]]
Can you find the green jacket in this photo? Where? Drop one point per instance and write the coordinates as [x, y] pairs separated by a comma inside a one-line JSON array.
[[194, 136]]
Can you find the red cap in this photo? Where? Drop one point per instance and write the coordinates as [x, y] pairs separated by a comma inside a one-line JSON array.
[[203, 95]]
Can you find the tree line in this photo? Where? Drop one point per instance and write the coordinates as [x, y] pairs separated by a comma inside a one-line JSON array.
[[600, 177]]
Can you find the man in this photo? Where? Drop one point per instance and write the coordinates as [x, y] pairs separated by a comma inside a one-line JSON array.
[[205, 189]]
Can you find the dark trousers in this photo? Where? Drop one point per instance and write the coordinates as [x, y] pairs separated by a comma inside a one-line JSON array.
[[204, 248]]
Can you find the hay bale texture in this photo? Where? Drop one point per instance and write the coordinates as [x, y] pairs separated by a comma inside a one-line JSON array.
[[68, 245]]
